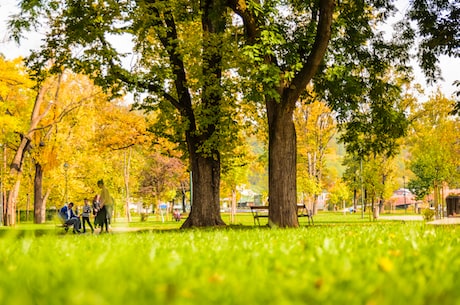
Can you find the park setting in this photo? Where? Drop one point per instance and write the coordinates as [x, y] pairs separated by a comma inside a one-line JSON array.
[[342, 259], [229, 151]]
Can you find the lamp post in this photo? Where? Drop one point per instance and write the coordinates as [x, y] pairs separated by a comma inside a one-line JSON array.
[[66, 168]]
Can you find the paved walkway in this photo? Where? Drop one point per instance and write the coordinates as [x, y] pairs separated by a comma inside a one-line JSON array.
[[403, 217], [443, 221], [446, 221]]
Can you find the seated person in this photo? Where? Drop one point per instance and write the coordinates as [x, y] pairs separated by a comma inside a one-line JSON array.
[[177, 215], [70, 218]]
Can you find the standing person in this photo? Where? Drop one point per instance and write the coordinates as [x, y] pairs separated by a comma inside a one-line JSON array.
[[96, 208], [105, 202], [85, 216], [70, 218]]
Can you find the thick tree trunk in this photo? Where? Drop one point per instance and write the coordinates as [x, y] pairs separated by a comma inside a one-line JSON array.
[[205, 210], [282, 166], [39, 203]]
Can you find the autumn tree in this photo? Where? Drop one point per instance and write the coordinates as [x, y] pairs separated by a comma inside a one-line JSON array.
[[339, 195], [235, 170], [434, 147], [315, 128], [161, 177], [16, 101], [41, 107]]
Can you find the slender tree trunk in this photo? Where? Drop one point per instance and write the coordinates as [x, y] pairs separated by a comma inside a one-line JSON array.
[[126, 178], [15, 171], [12, 203], [3, 195], [39, 204], [233, 207], [183, 193]]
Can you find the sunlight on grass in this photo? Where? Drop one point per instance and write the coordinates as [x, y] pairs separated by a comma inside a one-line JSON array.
[[330, 263]]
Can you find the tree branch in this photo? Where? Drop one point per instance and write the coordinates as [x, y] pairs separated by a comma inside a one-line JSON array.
[[323, 36]]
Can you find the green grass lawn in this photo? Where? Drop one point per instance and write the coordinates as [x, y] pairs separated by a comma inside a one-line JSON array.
[[353, 261]]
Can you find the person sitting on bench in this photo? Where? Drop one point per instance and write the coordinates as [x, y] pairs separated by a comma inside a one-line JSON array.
[[70, 218]]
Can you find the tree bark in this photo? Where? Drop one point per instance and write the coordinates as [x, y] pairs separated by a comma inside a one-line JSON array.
[[205, 209], [282, 166], [10, 219], [39, 203]]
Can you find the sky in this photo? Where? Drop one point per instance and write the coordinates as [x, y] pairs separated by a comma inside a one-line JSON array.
[[449, 66]]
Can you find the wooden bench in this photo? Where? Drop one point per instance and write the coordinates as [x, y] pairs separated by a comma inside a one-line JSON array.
[[302, 211], [261, 211]]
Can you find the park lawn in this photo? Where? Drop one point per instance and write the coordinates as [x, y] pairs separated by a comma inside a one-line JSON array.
[[353, 262]]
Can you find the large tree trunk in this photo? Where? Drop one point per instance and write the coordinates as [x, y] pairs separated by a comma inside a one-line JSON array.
[[282, 166], [39, 203], [205, 210]]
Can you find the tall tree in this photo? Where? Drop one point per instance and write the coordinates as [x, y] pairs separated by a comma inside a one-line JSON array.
[[434, 146], [315, 127], [40, 110], [167, 69], [287, 57], [287, 42], [16, 101]]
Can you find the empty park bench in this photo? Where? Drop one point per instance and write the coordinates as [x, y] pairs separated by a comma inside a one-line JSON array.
[[261, 211]]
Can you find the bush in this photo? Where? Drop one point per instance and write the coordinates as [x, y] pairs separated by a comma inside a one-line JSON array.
[[428, 214]]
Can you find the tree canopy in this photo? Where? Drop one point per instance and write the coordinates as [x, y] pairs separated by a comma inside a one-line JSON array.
[[187, 61], [436, 33]]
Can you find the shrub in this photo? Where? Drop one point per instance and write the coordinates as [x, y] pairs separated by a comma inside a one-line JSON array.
[[428, 214]]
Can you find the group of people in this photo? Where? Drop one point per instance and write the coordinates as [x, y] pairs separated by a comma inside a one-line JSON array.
[[101, 209]]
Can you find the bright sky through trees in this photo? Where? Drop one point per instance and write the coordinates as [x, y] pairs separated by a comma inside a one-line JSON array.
[[10, 50]]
